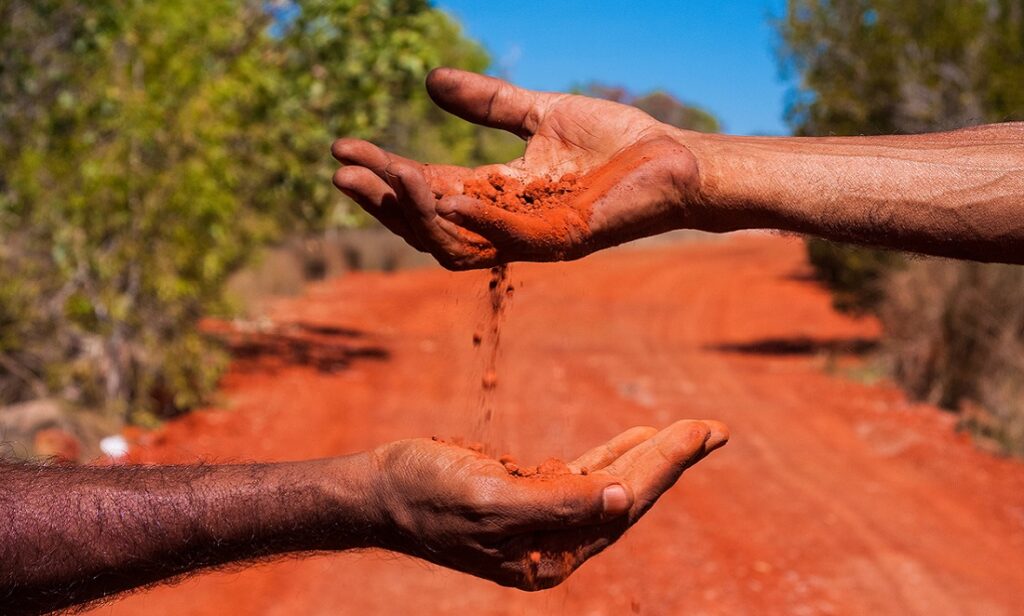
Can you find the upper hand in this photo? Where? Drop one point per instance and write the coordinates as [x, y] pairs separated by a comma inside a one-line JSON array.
[[636, 177], [458, 508]]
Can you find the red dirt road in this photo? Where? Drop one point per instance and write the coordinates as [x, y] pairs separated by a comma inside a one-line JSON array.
[[833, 497]]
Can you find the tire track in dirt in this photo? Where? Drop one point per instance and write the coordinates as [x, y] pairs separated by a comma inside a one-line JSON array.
[[833, 497]]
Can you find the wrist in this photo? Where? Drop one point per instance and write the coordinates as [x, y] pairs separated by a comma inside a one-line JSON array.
[[722, 198], [350, 512], [388, 511]]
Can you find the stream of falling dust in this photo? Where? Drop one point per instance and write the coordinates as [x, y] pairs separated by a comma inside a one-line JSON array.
[[488, 341]]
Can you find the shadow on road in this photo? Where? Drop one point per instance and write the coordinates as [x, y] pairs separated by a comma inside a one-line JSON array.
[[323, 348], [799, 346]]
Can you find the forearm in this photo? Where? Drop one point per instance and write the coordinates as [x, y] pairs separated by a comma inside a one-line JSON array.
[[75, 534], [957, 194]]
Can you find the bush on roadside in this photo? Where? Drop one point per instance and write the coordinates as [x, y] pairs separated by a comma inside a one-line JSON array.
[[955, 337]]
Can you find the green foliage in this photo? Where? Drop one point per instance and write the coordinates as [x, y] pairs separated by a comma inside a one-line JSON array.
[[150, 146], [886, 66], [955, 333], [419, 129]]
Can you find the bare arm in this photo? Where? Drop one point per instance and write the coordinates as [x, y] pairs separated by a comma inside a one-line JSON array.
[[957, 194], [74, 534], [70, 535]]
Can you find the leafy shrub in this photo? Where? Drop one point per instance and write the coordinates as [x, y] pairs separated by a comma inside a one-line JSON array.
[[149, 148]]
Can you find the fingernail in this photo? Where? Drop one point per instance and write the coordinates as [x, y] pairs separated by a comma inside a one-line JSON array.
[[616, 501], [450, 215], [718, 436]]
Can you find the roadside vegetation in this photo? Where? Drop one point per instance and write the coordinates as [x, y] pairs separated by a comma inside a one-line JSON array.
[[150, 148], [953, 332]]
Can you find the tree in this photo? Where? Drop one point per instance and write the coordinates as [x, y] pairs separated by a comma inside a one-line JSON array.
[[150, 146], [884, 66]]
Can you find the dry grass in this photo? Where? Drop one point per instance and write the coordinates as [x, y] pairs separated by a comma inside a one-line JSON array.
[[955, 336]]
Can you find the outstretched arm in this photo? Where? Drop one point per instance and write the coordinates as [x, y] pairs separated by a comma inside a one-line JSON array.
[[597, 173], [71, 534], [956, 194], [74, 534]]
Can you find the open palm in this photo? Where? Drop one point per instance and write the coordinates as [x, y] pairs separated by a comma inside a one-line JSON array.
[[460, 509], [635, 177]]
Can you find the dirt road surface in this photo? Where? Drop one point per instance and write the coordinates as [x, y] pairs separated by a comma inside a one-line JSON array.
[[833, 497]]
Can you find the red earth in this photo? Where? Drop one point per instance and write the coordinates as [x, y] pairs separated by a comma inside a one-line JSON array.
[[833, 496]]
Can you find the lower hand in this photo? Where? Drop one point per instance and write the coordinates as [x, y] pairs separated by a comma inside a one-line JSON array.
[[461, 509]]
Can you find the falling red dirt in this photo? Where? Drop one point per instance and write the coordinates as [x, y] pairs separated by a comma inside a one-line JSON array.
[[833, 496]]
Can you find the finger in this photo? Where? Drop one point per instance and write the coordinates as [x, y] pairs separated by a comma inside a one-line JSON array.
[[412, 182], [499, 226], [606, 453], [413, 197], [420, 211], [364, 154], [719, 435], [446, 179], [565, 501], [413, 191], [656, 464], [476, 252], [376, 198], [486, 100]]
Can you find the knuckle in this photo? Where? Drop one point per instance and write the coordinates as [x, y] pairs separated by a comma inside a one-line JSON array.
[[533, 118], [697, 431], [498, 98], [403, 170]]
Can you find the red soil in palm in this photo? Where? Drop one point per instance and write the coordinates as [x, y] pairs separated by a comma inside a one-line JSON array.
[[513, 195], [832, 497]]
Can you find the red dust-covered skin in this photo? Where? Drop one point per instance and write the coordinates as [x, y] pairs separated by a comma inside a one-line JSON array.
[[564, 217], [551, 217]]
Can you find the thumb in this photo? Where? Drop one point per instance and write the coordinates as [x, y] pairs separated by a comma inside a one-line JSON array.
[[566, 501], [485, 100]]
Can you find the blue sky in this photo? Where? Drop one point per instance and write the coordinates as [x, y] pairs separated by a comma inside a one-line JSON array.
[[719, 54]]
